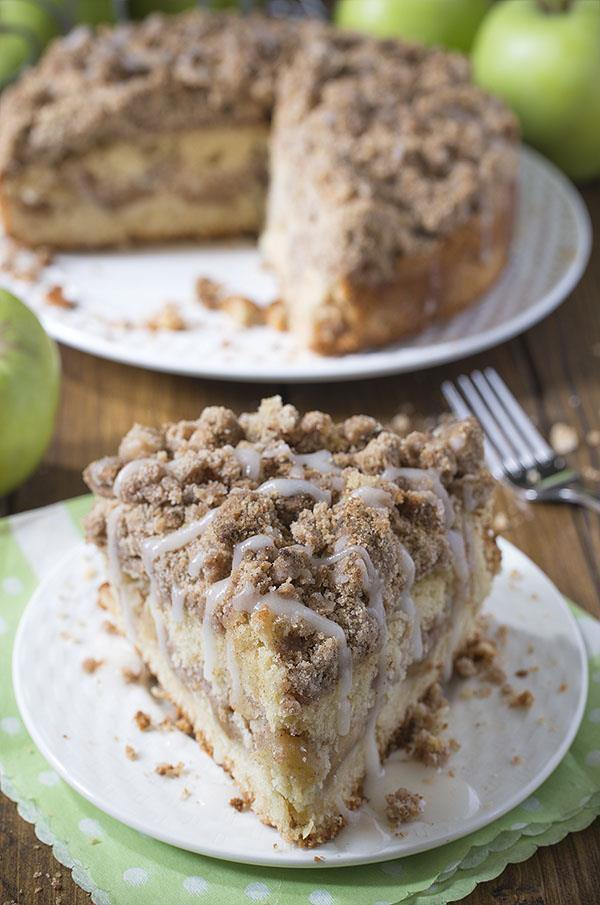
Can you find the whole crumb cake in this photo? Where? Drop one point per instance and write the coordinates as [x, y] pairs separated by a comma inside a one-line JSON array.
[[388, 177], [298, 586]]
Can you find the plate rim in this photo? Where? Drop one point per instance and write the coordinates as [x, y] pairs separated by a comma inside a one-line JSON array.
[[279, 859], [376, 363]]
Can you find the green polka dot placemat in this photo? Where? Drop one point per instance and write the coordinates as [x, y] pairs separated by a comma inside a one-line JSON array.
[[119, 866]]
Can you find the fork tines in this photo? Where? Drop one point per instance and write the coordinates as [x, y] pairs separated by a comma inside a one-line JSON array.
[[512, 442]]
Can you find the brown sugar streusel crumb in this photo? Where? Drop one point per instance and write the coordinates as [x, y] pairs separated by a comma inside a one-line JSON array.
[[524, 699], [516, 760], [170, 770], [166, 318], [143, 721], [57, 298], [239, 804], [403, 806], [90, 664], [131, 753], [110, 628], [131, 676]]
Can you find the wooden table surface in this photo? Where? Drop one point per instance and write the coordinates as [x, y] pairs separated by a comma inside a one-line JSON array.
[[554, 369]]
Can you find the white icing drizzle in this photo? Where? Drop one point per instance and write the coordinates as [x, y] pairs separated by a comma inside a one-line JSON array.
[[423, 479], [127, 472], [214, 595], [196, 563], [115, 573], [178, 603], [294, 486], [321, 461], [252, 544], [374, 497], [456, 543], [175, 540], [156, 546], [250, 460], [291, 608]]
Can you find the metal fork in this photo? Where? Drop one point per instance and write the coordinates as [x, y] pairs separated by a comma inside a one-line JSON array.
[[514, 448]]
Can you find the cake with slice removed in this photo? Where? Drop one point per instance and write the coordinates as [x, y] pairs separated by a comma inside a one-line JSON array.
[[383, 181], [297, 586]]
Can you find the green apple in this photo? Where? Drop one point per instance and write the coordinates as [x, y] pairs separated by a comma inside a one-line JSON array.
[[447, 23], [29, 386], [140, 8], [93, 12], [15, 51], [543, 59], [33, 27]]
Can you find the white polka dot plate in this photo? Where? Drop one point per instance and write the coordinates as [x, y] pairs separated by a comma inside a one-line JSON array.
[[82, 722], [117, 292]]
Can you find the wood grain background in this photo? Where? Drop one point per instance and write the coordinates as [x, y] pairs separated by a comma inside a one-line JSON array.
[[554, 369]]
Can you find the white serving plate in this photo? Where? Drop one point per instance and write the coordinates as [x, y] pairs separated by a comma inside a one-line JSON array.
[[81, 723], [549, 252]]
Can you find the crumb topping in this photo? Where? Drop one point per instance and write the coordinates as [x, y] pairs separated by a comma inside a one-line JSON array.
[[403, 806], [161, 74], [167, 479], [395, 136]]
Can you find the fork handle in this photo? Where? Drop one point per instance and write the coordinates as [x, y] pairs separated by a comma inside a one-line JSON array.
[[579, 497]]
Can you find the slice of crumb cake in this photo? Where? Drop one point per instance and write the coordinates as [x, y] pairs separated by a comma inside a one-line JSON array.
[[297, 586]]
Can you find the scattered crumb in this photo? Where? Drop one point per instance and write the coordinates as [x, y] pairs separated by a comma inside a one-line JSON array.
[[131, 753], [465, 667], [167, 724], [516, 760], [90, 664], [593, 438], [275, 316], [403, 806], [143, 721], [524, 699], [159, 693], [170, 770], [562, 687], [183, 724], [502, 634], [450, 773], [430, 749], [239, 804], [131, 676], [521, 673], [590, 473], [110, 627], [101, 590], [56, 297], [185, 793], [563, 438], [166, 318], [208, 292], [500, 522], [239, 308], [242, 310], [318, 858]]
